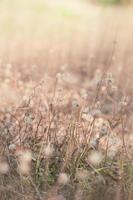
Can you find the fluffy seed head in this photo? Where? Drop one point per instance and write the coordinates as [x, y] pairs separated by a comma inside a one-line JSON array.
[[75, 104], [95, 157], [25, 162], [82, 175], [63, 179], [26, 156], [24, 168], [48, 151], [4, 167]]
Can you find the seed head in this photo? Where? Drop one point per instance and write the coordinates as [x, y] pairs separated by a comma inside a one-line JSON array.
[[95, 157], [75, 104], [48, 151], [24, 168], [63, 179], [25, 162], [26, 156], [82, 174], [4, 167]]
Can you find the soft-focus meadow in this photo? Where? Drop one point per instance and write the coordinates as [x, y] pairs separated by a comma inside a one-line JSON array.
[[66, 100]]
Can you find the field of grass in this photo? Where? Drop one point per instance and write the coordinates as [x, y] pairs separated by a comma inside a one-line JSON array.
[[66, 101]]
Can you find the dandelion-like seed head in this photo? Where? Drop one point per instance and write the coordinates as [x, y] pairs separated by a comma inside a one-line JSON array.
[[24, 168], [25, 159], [63, 179], [48, 151], [82, 174], [4, 167], [95, 157], [75, 104], [26, 156], [12, 147]]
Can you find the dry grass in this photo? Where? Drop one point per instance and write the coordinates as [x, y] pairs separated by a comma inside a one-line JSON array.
[[60, 139]]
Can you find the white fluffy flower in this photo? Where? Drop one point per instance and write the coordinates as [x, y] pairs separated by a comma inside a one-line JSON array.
[[48, 151], [4, 167], [63, 179], [95, 157]]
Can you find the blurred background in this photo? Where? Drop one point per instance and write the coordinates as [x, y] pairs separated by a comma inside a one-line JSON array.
[[39, 37]]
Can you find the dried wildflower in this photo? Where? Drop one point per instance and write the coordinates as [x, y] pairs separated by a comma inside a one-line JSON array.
[[63, 179], [29, 118], [88, 117], [26, 156], [82, 175], [95, 157], [24, 168], [75, 104], [12, 147], [25, 159], [96, 113], [99, 122], [48, 151], [4, 167], [102, 127]]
